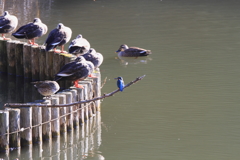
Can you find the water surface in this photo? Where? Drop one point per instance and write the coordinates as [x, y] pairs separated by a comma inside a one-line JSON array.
[[187, 105]]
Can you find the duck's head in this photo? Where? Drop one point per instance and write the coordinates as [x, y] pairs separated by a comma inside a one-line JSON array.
[[79, 36], [92, 51], [60, 25], [80, 59], [37, 20], [123, 47], [5, 13]]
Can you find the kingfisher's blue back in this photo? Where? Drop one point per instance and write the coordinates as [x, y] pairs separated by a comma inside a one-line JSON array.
[[120, 83]]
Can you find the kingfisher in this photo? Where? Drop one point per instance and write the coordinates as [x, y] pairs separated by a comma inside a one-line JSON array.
[[120, 83]]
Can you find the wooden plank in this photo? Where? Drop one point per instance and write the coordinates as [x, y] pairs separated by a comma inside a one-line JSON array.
[[55, 115], [43, 63], [14, 125], [35, 62], [46, 128], [4, 125], [37, 120], [11, 57], [3, 56], [19, 58], [27, 61], [26, 122]]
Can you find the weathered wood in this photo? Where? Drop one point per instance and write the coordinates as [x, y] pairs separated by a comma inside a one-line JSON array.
[[74, 108], [26, 122], [97, 89], [4, 136], [43, 73], [62, 110], [81, 111], [49, 65], [69, 110], [19, 58], [46, 128], [11, 57], [3, 56], [55, 115], [37, 120], [56, 63], [27, 60], [14, 126], [35, 62]]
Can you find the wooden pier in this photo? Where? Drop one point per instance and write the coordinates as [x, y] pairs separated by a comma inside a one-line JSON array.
[[36, 122]]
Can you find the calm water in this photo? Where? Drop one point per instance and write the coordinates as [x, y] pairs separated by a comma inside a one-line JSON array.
[[187, 106]]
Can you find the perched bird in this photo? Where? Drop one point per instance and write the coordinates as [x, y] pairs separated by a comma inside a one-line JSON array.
[[46, 88], [94, 57], [126, 51], [75, 71], [79, 46], [31, 31], [120, 83], [58, 37], [8, 23]]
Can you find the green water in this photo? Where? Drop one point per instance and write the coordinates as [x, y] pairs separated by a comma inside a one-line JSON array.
[[187, 105]]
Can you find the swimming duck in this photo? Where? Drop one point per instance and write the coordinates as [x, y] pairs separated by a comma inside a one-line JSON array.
[[8, 23], [126, 51], [31, 31], [46, 88], [75, 71], [58, 37], [79, 45], [120, 83], [94, 57]]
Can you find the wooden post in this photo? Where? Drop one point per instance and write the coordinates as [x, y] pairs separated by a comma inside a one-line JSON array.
[[97, 89], [85, 97], [46, 128], [11, 57], [43, 73], [81, 111], [55, 115], [56, 63], [63, 120], [75, 114], [37, 120], [49, 65], [14, 125], [4, 136], [69, 110], [3, 56], [19, 59], [27, 61], [26, 122], [35, 62]]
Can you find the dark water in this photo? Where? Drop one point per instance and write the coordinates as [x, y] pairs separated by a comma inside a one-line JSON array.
[[187, 106]]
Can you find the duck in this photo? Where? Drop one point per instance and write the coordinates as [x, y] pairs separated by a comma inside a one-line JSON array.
[[120, 83], [31, 31], [126, 51], [94, 57], [79, 45], [75, 71], [8, 23], [58, 37], [47, 87]]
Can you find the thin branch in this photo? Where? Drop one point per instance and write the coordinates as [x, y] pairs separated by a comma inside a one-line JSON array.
[[18, 105]]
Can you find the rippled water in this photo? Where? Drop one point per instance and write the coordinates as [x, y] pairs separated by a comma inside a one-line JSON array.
[[187, 106]]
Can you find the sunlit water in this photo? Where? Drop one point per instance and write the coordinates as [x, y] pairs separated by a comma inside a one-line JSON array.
[[187, 106]]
